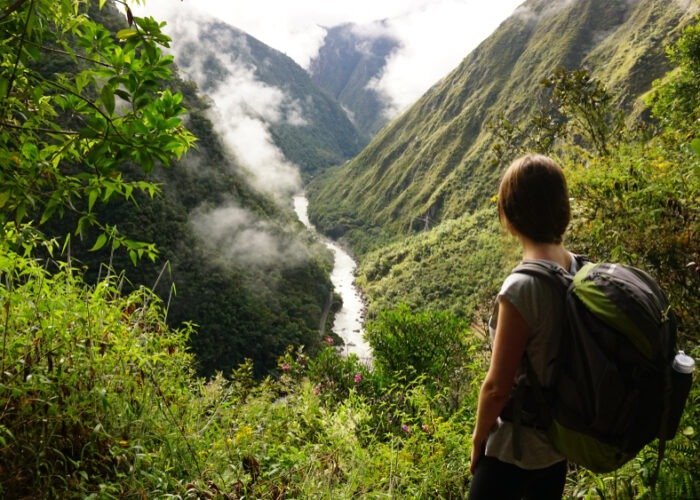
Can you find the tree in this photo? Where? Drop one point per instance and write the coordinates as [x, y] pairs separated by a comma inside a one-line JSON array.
[[588, 107], [430, 343], [77, 104], [675, 101]]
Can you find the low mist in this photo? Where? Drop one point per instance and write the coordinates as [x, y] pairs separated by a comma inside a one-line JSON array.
[[233, 235], [243, 107]]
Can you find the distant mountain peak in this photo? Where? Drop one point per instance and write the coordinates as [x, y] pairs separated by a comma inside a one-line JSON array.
[[351, 57]]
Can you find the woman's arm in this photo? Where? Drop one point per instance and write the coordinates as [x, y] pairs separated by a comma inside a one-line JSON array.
[[511, 337]]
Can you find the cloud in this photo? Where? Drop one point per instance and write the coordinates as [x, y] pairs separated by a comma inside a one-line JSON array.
[[374, 29], [435, 35], [234, 235], [525, 14], [243, 107], [529, 15], [688, 5]]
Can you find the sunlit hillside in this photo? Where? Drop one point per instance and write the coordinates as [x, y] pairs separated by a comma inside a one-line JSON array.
[[435, 160]]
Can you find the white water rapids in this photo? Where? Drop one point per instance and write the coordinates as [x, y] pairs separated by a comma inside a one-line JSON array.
[[348, 321]]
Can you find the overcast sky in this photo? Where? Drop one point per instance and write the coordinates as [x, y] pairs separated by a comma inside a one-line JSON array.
[[436, 34]]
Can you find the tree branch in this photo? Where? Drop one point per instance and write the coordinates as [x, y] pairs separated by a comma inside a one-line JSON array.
[[65, 53], [38, 129], [19, 49], [12, 8]]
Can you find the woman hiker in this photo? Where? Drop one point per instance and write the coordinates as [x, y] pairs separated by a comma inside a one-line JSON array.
[[533, 205]]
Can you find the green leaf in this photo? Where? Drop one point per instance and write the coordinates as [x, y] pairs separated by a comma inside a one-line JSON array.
[[4, 196], [107, 96], [82, 79], [109, 190], [82, 226], [30, 151], [99, 243], [92, 198], [133, 257], [695, 144], [123, 94], [66, 243], [20, 213], [126, 33], [33, 52]]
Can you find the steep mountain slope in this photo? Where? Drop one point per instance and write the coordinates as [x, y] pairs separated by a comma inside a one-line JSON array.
[[457, 267], [308, 126], [431, 163], [350, 57], [233, 262]]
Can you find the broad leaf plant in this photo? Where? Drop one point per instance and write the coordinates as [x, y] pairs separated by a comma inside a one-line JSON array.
[[78, 103]]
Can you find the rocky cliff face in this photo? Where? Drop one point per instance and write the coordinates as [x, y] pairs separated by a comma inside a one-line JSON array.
[[350, 58]]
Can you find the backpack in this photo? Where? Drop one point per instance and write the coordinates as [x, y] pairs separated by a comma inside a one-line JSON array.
[[613, 380]]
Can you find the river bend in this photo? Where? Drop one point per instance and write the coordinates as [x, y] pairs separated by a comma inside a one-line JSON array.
[[348, 323]]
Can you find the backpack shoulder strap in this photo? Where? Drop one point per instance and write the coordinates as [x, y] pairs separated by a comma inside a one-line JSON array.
[[554, 274], [560, 279]]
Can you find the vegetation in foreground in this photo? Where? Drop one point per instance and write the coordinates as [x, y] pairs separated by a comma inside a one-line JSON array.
[[100, 400]]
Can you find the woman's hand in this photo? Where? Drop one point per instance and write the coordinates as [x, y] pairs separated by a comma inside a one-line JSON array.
[[478, 449]]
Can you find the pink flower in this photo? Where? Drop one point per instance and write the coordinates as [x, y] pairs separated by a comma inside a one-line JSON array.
[[328, 340], [406, 428], [358, 377], [286, 367], [425, 427]]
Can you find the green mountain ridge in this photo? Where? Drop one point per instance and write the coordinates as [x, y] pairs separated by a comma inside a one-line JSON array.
[[313, 131], [431, 163], [246, 304]]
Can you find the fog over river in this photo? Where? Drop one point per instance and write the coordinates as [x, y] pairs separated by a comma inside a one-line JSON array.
[[348, 321]]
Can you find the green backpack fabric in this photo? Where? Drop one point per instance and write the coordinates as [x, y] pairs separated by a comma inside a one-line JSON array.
[[612, 378]]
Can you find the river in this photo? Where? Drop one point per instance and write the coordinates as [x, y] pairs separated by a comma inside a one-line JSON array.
[[349, 320]]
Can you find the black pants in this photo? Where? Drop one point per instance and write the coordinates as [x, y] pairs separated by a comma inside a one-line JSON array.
[[494, 479]]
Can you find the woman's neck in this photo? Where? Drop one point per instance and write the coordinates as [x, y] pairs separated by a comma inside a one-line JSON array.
[[554, 252]]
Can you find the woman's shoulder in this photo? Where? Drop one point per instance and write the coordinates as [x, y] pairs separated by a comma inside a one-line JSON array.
[[532, 296], [518, 282]]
